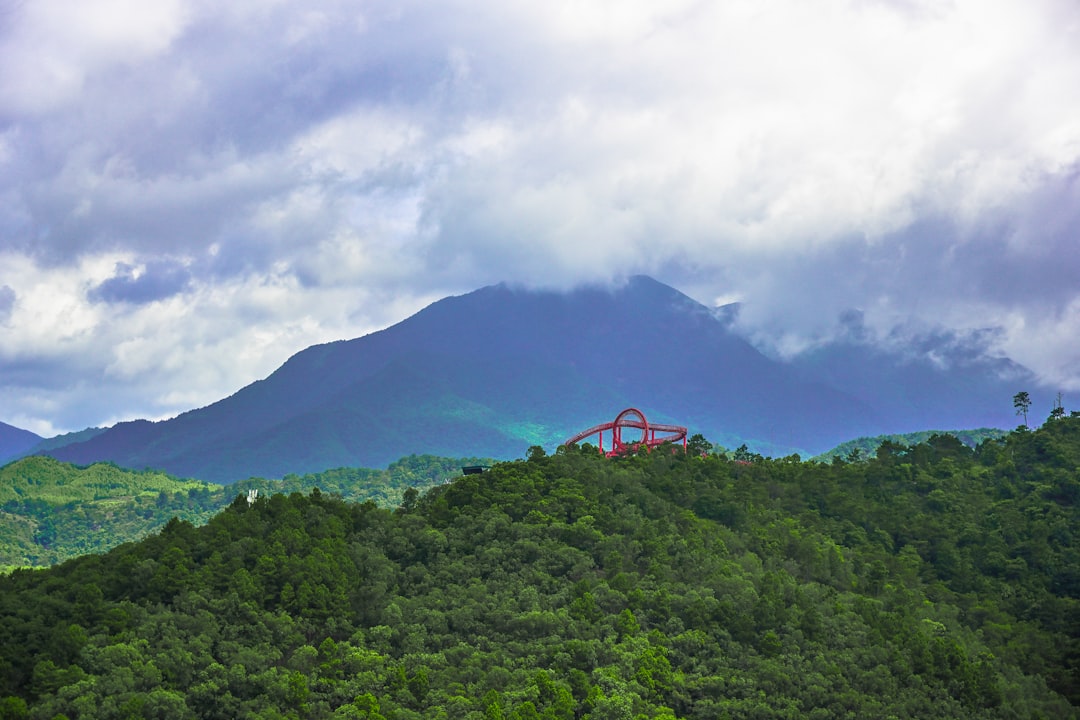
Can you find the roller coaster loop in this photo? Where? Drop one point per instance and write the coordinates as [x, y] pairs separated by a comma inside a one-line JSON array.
[[632, 418]]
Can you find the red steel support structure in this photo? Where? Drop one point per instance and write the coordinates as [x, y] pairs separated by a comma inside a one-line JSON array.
[[632, 418]]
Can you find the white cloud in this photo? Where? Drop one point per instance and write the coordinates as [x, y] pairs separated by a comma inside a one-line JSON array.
[[56, 46], [273, 168], [1047, 343]]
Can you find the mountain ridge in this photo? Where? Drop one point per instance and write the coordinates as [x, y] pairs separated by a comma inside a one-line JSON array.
[[491, 372], [14, 441]]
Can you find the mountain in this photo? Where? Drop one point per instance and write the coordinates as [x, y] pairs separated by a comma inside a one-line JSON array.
[[14, 441], [57, 441], [489, 374], [926, 380], [918, 378], [495, 371]]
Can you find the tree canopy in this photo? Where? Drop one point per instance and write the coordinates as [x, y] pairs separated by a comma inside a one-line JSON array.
[[931, 581]]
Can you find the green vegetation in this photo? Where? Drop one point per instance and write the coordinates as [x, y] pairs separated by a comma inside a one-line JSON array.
[[866, 447], [51, 511], [52, 482], [932, 581]]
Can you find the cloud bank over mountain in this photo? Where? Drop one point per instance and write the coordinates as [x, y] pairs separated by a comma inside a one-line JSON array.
[[191, 193]]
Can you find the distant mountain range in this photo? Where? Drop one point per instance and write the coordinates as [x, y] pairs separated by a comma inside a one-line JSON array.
[[15, 441], [500, 369]]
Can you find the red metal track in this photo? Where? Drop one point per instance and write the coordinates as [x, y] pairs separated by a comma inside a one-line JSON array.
[[632, 418]]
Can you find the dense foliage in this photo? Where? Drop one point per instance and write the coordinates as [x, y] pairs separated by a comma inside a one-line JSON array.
[[933, 581], [51, 511]]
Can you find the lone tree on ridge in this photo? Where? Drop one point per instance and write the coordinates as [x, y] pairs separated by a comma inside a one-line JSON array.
[[1022, 402]]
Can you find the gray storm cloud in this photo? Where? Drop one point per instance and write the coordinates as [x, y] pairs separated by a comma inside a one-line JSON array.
[[302, 172], [157, 281], [7, 302]]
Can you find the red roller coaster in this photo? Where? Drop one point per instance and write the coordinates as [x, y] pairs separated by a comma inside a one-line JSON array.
[[632, 418]]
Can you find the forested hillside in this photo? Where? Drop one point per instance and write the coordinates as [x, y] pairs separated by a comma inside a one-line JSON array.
[[51, 511], [866, 447], [932, 581]]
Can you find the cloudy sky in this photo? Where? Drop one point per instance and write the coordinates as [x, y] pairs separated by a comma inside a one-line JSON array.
[[192, 191]]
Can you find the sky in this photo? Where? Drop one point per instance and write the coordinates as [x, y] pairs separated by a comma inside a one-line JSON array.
[[193, 191]]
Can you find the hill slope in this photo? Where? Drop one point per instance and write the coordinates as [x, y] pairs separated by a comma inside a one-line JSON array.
[[935, 581], [52, 511]]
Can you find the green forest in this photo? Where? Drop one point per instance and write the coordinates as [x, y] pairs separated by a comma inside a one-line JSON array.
[[51, 511], [930, 581]]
